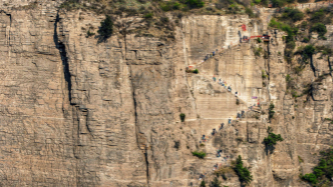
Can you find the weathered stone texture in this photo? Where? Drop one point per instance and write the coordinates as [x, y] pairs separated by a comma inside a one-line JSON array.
[[78, 112]]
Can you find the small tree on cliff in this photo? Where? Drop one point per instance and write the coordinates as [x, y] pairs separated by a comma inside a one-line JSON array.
[[323, 171], [106, 29], [271, 111], [271, 140], [215, 183], [243, 173], [320, 29], [182, 117]]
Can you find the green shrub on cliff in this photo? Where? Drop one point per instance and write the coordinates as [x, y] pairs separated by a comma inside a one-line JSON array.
[[249, 12], [311, 178], [181, 5], [320, 29], [324, 50], [306, 52], [278, 3], [195, 3], [323, 171], [317, 16], [271, 111], [306, 40], [257, 51], [106, 29], [182, 117], [70, 4], [243, 173], [215, 183], [272, 139], [199, 154], [148, 15], [291, 14], [309, 50]]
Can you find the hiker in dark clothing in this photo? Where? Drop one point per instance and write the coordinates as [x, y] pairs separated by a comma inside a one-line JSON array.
[[203, 138], [201, 176], [218, 153], [221, 127], [243, 113], [213, 133]]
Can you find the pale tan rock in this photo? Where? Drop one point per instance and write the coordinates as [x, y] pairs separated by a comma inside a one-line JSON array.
[[76, 112]]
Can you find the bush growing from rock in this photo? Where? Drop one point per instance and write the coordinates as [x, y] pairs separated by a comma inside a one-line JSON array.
[[215, 183], [237, 101], [311, 178], [257, 51], [182, 117], [323, 171], [90, 34], [195, 3], [272, 139], [177, 145], [106, 28], [183, 5], [291, 14], [319, 28], [195, 71], [317, 16], [148, 15], [199, 154], [249, 12], [306, 40], [243, 173], [271, 112]]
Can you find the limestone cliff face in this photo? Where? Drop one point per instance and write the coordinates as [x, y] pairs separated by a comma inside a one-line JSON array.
[[76, 112]]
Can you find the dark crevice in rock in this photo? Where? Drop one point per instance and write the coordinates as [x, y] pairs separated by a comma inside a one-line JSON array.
[[138, 138], [329, 65], [10, 23], [312, 66], [62, 50], [138, 134], [268, 62]]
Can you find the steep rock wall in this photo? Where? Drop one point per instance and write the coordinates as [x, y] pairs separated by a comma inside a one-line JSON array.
[[36, 117], [76, 112]]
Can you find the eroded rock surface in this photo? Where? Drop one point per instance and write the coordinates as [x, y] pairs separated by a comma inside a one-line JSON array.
[[78, 112]]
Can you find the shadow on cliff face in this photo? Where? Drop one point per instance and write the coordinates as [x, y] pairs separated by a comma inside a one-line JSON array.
[[62, 50], [269, 149]]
